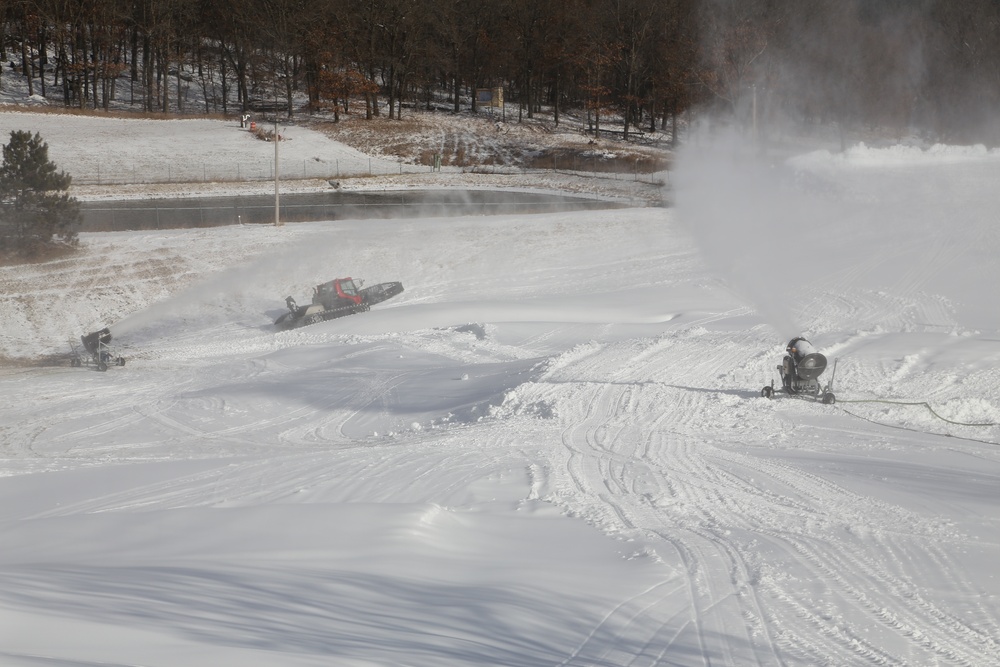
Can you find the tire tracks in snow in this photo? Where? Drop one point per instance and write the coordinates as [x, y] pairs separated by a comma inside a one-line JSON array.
[[664, 465], [613, 483], [867, 592]]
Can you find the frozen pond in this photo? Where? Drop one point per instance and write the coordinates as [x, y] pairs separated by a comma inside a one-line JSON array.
[[176, 213]]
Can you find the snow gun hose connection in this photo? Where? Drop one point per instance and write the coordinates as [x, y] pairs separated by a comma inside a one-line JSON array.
[[919, 403]]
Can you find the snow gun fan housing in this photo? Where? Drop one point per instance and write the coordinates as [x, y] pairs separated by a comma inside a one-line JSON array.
[[93, 341], [800, 371]]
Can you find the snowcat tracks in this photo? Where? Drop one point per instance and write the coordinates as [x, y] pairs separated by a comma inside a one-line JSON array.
[[381, 292], [323, 316]]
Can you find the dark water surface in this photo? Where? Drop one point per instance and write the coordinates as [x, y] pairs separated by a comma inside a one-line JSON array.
[[144, 214]]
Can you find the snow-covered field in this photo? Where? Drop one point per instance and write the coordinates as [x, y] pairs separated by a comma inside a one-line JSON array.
[[184, 149], [551, 449]]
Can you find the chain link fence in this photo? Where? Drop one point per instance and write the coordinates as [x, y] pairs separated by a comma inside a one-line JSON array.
[[142, 171], [205, 172], [181, 172]]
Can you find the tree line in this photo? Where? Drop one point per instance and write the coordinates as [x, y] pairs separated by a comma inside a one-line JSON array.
[[627, 57], [930, 65]]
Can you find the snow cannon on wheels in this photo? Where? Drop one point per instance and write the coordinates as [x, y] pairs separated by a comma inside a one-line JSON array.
[[96, 351], [800, 371], [337, 298]]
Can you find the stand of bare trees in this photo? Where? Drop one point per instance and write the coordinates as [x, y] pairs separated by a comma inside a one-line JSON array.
[[898, 65]]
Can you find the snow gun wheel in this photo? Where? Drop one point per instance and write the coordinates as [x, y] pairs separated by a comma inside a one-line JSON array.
[[120, 361], [102, 366], [767, 392], [828, 399]]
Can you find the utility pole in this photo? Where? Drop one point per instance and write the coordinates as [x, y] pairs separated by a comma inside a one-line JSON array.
[[277, 208]]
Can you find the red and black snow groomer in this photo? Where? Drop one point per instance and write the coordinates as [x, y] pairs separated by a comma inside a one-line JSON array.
[[337, 298], [96, 351]]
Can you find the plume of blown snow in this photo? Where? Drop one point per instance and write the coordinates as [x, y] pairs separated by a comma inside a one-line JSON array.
[[756, 229]]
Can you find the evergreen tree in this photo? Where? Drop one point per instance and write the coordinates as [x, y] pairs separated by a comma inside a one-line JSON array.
[[34, 205]]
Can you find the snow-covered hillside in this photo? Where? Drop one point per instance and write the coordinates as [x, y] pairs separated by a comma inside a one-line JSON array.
[[117, 157], [550, 449]]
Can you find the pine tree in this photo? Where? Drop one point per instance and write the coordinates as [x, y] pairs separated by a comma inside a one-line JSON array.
[[34, 204]]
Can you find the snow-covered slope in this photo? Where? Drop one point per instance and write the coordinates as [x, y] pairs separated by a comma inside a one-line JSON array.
[[551, 449], [110, 149]]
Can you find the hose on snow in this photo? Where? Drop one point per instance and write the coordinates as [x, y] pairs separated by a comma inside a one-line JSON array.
[[918, 403]]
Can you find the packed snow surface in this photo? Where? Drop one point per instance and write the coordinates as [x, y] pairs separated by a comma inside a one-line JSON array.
[[551, 449]]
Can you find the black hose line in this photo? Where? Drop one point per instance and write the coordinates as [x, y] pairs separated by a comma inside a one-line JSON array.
[[923, 403]]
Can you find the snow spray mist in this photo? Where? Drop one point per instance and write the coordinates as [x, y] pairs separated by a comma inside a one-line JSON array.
[[755, 229]]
